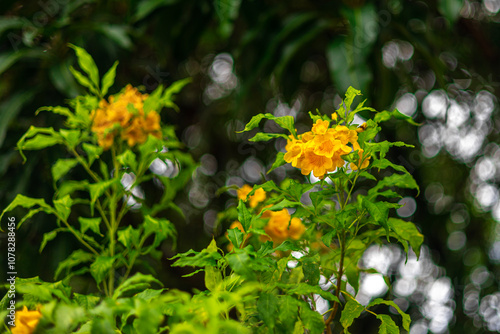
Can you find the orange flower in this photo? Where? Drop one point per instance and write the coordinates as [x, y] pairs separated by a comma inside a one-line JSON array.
[[320, 150], [26, 321], [280, 226], [258, 196], [125, 113]]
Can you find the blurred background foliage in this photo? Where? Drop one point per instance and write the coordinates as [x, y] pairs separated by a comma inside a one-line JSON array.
[[436, 61]]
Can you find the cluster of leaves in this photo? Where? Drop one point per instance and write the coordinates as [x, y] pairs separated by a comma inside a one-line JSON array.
[[341, 225], [255, 287]]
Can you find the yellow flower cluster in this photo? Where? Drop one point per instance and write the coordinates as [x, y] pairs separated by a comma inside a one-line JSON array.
[[125, 115], [26, 321], [320, 150], [281, 226], [255, 199]]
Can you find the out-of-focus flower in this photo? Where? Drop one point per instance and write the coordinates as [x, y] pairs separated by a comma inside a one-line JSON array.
[[258, 196], [26, 321], [125, 114], [281, 226]]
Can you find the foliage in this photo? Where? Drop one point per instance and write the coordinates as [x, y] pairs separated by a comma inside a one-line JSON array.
[[116, 140]]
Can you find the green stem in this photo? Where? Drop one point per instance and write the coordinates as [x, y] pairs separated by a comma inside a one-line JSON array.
[[72, 230], [340, 272]]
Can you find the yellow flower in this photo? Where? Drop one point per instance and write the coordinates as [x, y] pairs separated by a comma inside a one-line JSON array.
[[335, 116], [258, 196], [320, 150], [296, 228], [281, 226], [26, 321], [320, 127], [125, 114]]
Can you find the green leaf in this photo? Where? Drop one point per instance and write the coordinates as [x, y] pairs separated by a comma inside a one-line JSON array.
[[90, 223], [236, 237], [304, 289], [131, 282], [196, 259], [386, 115], [128, 159], [267, 305], [395, 180], [288, 311], [261, 136], [407, 231], [406, 317], [351, 311], [27, 202], [63, 206], [93, 152], [244, 215], [312, 320], [74, 259], [388, 326], [56, 110], [108, 79], [379, 211], [71, 137], [174, 88], [101, 267], [280, 161], [83, 80], [285, 203], [213, 278], [38, 138], [87, 64], [62, 167], [161, 228], [46, 238], [129, 237], [97, 189], [239, 262]]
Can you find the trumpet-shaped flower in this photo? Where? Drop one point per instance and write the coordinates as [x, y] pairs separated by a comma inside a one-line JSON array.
[[258, 196], [26, 321], [320, 150]]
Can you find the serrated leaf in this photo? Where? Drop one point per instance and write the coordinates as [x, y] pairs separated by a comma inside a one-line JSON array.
[[92, 224], [128, 159], [253, 123], [97, 189], [93, 152], [351, 311], [63, 206], [161, 228], [129, 237], [62, 167]]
